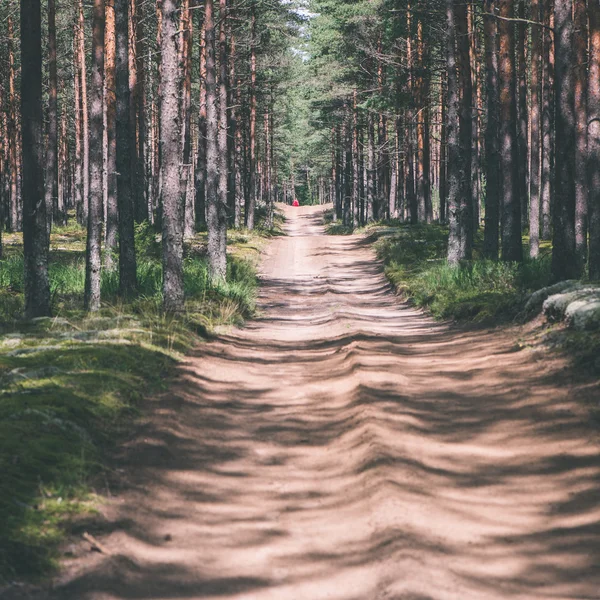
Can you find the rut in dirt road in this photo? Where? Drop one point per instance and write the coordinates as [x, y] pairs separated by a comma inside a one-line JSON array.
[[344, 446]]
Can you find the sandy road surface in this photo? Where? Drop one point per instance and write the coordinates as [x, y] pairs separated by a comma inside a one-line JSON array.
[[345, 447]]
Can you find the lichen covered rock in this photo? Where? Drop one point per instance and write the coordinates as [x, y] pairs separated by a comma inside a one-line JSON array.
[[578, 305], [584, 314], [537, 299]]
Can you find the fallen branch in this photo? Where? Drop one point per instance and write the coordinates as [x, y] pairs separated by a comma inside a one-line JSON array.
[[96, 545]]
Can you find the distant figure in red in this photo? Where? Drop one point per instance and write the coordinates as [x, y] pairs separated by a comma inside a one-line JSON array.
[[295, 202]]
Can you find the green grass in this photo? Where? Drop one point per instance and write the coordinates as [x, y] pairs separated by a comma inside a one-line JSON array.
[[71, 385], [478, 290]]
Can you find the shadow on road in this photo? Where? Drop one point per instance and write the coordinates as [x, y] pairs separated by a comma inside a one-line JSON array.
[[344, 446]]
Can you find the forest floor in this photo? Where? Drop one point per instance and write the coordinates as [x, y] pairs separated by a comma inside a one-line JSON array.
[[344, 445]]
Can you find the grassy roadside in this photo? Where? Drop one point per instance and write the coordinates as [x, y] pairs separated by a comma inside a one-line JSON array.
[[479, 290], [71, 385]]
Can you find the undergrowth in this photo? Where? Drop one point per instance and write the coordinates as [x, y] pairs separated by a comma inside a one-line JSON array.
[[477, 290], [71, 384]]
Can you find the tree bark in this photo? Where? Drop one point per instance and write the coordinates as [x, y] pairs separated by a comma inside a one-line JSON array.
[[213, 191], [534, 178], [35, 236], [370, 169], [594, 140], [251, 197], [464, 214], [78, 167], [140, 119], [93, 255], [565, 264], [356, 170], [185, 60], [547, 181], [171, 156], [200, 178], [411, 192], [443, 187], [127, 258], [492, 162], [52, 141], [456, 158], [112, 219], [217, 138], [581, 126], [512, 249], [13, 134], [85, 129], [522, 110]]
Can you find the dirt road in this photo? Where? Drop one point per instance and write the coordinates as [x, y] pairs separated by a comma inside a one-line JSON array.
[[343, 446]]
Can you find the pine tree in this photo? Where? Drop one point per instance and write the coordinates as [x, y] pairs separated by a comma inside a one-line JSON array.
[[172, 189], [565, 264], [35, 232]]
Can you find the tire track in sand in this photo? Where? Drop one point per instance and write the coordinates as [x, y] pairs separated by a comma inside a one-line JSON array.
[[343, 446]]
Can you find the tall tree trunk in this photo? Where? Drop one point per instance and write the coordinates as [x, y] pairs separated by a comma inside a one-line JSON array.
[[356, 170], [565, 264], [547, 182], [140, 117], [64, 192], [522, 110], [112, 219], [581, 125], [534, 178], [453, 129], [138, 208], [52, 151], [239, 159], [200, 178], [475, 146], [427, 153], [35, 237], [85, 129], [93, 255], [13, 134], [127, 258], [268, 172], [78, 166], [422, 173], [217, 138], [411, 191], [185, 60], [443, 188], [3, 169], [251, 198], [171, 155], [512, 249], [394, 176], [465, 130], [213, 197], [348, 173], [334, 174], [594, 140], [234, 215], [492, 159], [370, 169]]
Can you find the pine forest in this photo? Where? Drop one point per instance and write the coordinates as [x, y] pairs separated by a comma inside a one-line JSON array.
[[299, 299]]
